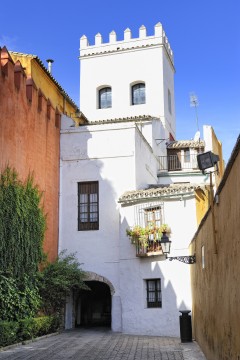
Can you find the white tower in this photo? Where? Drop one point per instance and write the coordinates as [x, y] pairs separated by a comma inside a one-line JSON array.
[[128, 78]]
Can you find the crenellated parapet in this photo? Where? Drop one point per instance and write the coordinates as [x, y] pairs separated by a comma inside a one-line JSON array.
[[128, 43], [13, 76]]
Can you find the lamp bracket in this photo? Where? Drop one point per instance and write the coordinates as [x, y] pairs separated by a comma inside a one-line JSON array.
[[188, 259]]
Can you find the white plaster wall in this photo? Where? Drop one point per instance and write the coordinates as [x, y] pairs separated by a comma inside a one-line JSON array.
[[146, 163], [104, 153], [156, 135], [175, 276], [118, 156], [144, 64], [181, 176]]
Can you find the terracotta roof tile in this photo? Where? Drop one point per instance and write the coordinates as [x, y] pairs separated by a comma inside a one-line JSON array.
[[119, 120], [156, 191], [186, 144]]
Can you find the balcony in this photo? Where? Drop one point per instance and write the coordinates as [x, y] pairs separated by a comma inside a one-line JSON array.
[[147, 240], [152, 248], [178, 162]]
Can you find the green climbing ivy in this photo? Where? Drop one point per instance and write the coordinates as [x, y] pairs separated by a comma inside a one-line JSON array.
[[22, 225]]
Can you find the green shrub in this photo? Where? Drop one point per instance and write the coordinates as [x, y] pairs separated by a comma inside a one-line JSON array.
[[12, 332], [19, 298], [22, 228], [22, 225], [27, 329], [33, 327], [56, 281], [8, 332]]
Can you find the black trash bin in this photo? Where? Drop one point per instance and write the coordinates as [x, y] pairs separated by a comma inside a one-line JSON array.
[[185, 326]]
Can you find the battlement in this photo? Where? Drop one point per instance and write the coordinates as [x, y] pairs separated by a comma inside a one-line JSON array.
[[129, 43]]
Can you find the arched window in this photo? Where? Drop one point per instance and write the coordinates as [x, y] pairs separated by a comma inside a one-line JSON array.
[[138, 94], [105, 98]]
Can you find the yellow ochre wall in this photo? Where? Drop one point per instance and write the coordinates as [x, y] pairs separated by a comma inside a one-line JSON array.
[[44, 80], [202, 203], [215, 288]]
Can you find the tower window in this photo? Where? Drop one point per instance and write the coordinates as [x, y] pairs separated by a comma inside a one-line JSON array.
[[105, 98], [138, 94]]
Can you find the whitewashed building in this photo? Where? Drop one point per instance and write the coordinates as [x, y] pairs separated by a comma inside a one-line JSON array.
[[124, 168]]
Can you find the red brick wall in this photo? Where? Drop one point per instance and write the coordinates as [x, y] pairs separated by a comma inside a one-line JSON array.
[[29, 140]]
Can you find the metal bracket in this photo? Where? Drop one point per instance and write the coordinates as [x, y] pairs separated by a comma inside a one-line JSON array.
[[188, 259]]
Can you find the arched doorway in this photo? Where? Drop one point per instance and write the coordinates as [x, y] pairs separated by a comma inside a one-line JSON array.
[[94, 305]]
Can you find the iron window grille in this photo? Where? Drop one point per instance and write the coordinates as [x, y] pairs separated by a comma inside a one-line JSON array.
[[88, 205], [154, 294]]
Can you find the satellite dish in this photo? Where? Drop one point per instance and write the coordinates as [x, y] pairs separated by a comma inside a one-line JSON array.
[[197, 136]]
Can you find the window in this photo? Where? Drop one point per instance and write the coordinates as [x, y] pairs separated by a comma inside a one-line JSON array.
[[105, 98], [169, 102], [154, 295], [187, 155], [153, 216], [138, 94], [88, 206]]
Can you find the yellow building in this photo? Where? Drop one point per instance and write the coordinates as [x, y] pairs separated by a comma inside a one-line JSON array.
[[50, 88], [216, 275]]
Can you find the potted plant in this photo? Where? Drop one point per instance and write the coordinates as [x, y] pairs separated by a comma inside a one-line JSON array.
[[138, 234], [143, 235]]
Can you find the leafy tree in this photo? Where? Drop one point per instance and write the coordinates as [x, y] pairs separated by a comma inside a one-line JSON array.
[[57, 279]]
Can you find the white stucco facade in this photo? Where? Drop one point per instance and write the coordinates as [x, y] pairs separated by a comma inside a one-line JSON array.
[[120, 149], [118, 156], [119, 65]]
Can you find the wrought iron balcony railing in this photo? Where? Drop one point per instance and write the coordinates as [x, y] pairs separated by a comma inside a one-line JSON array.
[[178, 162], [151, 248]]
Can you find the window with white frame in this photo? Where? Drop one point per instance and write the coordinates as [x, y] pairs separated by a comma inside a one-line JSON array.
[[88, 205], [105, 98], [138, 94], [149, 213], [154, 293]]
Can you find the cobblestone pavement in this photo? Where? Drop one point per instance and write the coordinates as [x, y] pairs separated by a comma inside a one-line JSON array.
[[102, 344]]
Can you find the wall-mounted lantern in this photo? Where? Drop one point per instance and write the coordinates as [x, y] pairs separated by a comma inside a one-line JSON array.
[[166, 245]]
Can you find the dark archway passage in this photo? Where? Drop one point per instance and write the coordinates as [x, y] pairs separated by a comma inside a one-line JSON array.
[[94, 306]]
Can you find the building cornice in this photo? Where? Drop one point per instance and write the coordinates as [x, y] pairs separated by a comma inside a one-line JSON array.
[[121, 120]]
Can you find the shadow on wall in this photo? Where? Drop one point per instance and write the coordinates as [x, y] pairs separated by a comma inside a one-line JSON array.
[[150, 294], [97, 248]]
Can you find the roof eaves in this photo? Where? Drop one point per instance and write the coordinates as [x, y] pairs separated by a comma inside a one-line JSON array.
[[159, 191], [39, 61], [120, 120]]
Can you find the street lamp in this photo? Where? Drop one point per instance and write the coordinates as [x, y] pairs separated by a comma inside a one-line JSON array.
[[207, 160], [166, 245]]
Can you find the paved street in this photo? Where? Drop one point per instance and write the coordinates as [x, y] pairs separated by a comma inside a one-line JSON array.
[[101, 344]]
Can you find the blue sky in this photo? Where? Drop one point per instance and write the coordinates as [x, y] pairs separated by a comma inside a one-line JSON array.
[[204, 35]]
